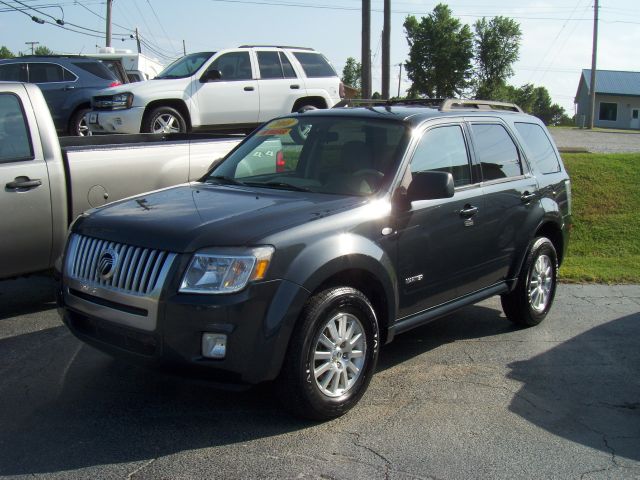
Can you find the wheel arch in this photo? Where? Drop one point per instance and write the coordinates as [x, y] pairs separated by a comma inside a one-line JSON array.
[[316, 101], [176, 103], [75, 110]]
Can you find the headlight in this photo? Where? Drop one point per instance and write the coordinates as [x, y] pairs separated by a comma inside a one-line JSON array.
[[221, 273], [122, 101]]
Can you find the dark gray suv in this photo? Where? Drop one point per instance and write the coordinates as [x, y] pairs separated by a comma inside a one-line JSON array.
[[67, 83], [297, 265]]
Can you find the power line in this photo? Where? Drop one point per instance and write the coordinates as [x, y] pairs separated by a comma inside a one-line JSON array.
[[153, 10]]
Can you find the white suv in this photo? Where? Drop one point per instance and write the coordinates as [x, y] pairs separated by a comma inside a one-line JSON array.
[[235, 89]]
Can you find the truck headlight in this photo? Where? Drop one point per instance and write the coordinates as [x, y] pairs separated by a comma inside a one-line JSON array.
[[121, 101], [225, 273]]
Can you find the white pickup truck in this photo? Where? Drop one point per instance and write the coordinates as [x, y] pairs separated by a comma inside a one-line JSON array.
[[48, 182]]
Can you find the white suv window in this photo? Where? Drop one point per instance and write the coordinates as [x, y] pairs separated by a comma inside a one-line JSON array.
[[315, 65], [274, 65], [233, 66]]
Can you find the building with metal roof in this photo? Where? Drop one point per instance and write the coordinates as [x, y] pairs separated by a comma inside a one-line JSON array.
[[617, 99]]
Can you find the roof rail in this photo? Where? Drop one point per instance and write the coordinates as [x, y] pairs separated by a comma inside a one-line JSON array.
[[456, 104], [424, 102], [276, 46]]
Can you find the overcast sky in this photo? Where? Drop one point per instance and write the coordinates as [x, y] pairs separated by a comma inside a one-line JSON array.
[[556, 41]]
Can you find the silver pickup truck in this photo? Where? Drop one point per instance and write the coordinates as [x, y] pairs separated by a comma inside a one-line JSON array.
[[46, 182]]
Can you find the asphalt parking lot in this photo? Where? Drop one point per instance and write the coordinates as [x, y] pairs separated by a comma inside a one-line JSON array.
[[467, 396]]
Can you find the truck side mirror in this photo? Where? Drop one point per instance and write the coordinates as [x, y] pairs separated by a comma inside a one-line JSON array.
[[211, 76], [430, 185]]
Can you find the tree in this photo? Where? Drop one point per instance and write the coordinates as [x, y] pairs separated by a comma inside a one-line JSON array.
[[440, 53], [6, 53], [497, 46], [42, 50], [351, 73], [537, 102]]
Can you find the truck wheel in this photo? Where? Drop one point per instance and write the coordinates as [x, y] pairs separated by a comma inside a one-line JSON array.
[[332, 355], [532, 298], [164, 120], [78, 125]]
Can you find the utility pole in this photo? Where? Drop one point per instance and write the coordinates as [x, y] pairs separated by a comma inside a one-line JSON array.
[[399, 79], [594, 54], [184, 48], [386, 50], [108, 29], [138, 41], [366, 48], [32, 45]]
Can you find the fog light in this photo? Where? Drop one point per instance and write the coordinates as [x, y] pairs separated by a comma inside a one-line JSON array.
[[214, 345]]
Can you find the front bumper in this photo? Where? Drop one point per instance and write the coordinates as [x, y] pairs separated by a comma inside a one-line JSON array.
[[115, 121], [257, 321]]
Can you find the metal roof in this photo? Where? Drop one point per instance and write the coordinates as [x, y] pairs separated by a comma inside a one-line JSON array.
[[614, 82]]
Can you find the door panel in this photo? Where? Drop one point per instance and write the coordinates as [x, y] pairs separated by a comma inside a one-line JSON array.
[[25, 198], [277, 93]]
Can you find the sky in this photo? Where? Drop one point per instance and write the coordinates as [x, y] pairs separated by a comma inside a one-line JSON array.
[[556, 34]]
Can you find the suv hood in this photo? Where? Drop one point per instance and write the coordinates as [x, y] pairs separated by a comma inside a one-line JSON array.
[[190, 217]]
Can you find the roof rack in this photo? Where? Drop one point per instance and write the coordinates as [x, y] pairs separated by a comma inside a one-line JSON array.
[[456, 104], [443, 104], [276, 46]]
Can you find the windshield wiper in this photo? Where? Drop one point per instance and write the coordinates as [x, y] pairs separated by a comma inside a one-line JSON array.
[[283, 185], [223, 179]]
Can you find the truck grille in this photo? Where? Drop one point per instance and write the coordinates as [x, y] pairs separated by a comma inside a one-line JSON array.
[[122, 267]]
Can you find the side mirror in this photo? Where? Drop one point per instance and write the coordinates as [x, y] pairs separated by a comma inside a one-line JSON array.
[[211, 76], [430, 185]]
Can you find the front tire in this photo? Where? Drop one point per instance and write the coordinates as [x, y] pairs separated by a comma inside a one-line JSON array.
[[78, 125], [533, 296], [164, 120], [332, 355]]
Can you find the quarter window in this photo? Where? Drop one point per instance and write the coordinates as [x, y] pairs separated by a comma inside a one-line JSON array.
[[15, 144], [542, 151], [608, 111], [443, 149], [233, 66], [315, 65], [497, 154]]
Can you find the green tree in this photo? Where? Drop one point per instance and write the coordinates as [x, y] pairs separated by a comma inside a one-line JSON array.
[[42, 50], [6, 53], [440, 53], [497, 46], [536, 101], [351, 73]]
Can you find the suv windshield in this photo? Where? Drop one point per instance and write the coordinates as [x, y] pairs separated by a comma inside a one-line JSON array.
[[336, 155], [185, 66]]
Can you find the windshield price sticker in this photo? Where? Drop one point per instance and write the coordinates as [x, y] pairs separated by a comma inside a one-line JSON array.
[[282, 123], [279, 131]]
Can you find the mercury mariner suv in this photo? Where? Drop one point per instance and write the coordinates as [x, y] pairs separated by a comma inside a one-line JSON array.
[[366, 222]]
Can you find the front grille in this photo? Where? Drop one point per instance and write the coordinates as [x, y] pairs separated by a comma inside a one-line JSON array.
[[136, 270]]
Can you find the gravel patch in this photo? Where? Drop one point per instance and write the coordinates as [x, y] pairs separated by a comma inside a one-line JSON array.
[[596, 141]]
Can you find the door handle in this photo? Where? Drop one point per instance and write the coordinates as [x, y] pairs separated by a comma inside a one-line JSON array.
[[468, 211], [23, 182], [69, 87], [294, 87], [526, 197], [248, 89]]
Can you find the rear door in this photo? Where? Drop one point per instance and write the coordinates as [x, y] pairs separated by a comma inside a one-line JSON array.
[[25, 202], [279, 85], [56, 83], [510, 193]]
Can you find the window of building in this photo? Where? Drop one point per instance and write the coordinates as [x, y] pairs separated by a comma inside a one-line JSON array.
[[608, 111], [497, 154], [443, 149], [543, 154]]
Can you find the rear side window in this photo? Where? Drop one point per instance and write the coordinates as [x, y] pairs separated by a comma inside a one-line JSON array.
[[269, 63], [14, 72], [443, 149], [544, 156], [45, 73], [315, 65], [497, 154], [97, 69], [15, 144]]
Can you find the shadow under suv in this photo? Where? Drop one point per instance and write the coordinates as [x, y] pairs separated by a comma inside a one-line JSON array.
[[67, 82]]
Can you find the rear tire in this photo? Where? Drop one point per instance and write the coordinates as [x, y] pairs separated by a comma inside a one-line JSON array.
[[533, 296], [164, 120], [332, 355]]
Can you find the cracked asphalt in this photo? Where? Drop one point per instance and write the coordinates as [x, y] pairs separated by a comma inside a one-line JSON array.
[[467, 396]]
